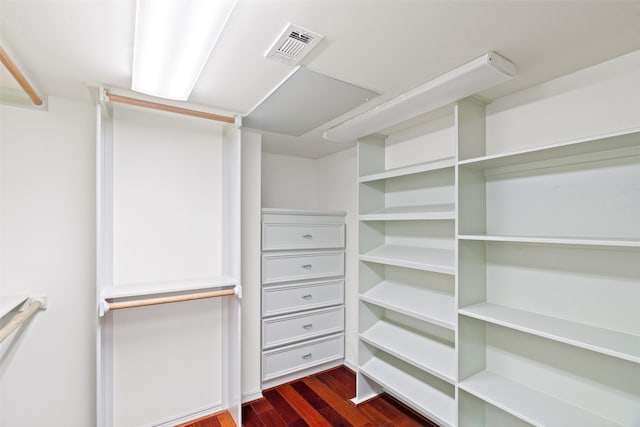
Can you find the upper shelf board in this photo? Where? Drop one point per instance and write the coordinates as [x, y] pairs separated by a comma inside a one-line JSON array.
[[433, 165], [622, 139]]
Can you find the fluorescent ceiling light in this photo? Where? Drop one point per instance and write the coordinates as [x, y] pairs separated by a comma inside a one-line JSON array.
[[173, 40], [466, 80]]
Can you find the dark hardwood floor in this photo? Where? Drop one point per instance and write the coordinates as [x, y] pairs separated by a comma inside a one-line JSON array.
[[319, 401]]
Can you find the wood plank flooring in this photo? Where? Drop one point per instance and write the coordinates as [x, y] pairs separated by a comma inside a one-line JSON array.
[[320, 400]]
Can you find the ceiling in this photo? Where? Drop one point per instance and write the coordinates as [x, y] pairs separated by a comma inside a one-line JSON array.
[[386, 46]]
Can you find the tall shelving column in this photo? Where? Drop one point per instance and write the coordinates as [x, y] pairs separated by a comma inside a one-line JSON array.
[[407, 309], [549, 248]]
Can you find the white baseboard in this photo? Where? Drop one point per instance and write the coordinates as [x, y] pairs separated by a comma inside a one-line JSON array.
[[301, 374], [350, 365], [249, 397], [193, 415]]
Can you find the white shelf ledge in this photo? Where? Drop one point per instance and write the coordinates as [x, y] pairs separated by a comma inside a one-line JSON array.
[[433, 357], [616, 140], [9, 303], [422, 397], [408, 213], [581, 241], [421, 303], [435, 260], [529, 405], [434, 165], [157, 288], [605, 341]]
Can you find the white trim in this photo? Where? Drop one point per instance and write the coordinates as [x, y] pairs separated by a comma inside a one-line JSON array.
[[250, 397], [180, 419]]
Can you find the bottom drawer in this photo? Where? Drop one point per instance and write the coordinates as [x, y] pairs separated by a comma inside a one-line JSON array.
[[286, 360]]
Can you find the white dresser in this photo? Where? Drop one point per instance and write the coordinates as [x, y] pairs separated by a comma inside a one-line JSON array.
[[302, 292]]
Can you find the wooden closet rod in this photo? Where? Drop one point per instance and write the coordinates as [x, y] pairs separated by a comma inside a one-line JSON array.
[[170, 108], [167, 300], [19, 319], [20, 78]]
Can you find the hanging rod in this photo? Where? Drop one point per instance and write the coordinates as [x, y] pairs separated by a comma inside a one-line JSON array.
[[169, 108], [20, 78], [20, 318], [106, 306]]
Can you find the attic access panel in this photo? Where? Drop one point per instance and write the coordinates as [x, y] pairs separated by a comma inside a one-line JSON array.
[[305, 101]]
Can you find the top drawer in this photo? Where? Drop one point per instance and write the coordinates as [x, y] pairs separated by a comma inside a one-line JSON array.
[[302, 236]]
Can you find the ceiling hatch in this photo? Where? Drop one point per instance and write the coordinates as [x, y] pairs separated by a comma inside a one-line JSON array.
[[304, 101], [293, 44]]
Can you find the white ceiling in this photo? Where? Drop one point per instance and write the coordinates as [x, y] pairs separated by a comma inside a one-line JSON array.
[[387, 46]]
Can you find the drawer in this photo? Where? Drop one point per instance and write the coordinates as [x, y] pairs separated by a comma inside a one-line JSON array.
[[302, 236], [285, 360], [299, 266], [296, 327], [281, 299]]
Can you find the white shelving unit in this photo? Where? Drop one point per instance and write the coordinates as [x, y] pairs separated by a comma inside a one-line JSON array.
[[548, 266], [407, 311], [511, 278], [168, 224]]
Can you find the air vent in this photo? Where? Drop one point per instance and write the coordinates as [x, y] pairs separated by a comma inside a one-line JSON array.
[[293, 44]]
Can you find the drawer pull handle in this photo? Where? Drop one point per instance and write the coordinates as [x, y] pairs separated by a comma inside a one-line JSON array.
[[307, 236], [307, 296], [306, 356], [307, 266], [308, 326]]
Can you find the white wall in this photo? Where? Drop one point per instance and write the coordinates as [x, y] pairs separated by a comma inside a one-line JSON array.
[[289, 182], [593, 101], [47, 241]]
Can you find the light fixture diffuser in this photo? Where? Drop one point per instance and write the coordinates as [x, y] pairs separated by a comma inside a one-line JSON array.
[[480, 74], [173, 40]]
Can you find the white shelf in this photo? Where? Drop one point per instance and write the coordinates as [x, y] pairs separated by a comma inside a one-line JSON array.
[[407, 213], [155, 288], [435, 260], [431, 356], [582, 241], [424, 304], [406, 387], [616, 140], [11, 302], [612, 343], [444, 163], [529, 405]]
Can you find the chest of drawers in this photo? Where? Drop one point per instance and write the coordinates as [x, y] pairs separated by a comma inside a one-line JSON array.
[[302, 291]]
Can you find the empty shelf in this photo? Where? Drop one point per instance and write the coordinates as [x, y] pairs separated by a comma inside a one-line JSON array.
[[422, 303], [627, 138], [582, 241], [154, 288], [612, 343], [446, 162], [436, 260], [529, 405], [434, 357], [421, 396], [420, 212]]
